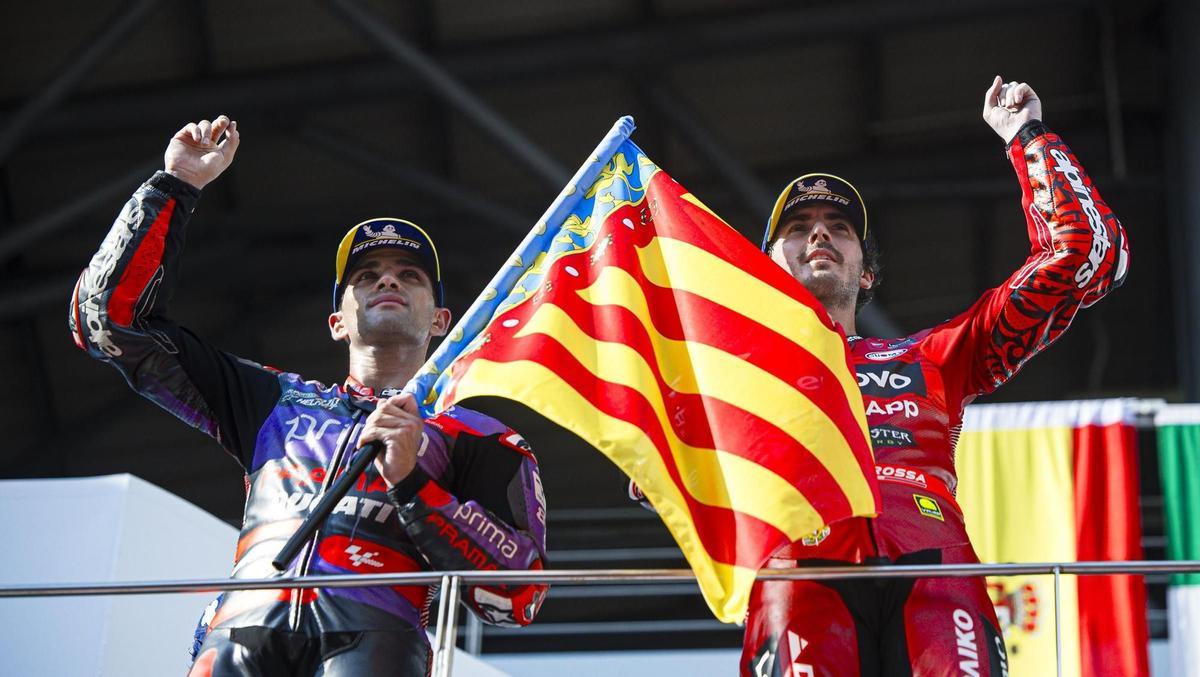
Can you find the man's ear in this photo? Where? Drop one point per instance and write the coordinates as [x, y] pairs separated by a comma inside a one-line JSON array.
[[441, 321], [337, 328], [867, 280]]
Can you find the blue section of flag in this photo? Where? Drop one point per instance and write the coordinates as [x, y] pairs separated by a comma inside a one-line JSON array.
[[616, 172]]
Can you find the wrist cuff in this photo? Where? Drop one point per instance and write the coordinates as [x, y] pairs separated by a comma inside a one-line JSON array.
[[1030, 131], [172, 185], [406, 489]]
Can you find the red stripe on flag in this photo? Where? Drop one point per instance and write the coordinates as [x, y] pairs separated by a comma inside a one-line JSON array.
[[1112, 609], [140, 269], [724, 328], [707, 422], [728, 536], [680, 219]]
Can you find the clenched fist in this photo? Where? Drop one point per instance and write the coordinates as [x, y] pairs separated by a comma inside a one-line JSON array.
[[397, 424], [194, 153], [1008, 106]]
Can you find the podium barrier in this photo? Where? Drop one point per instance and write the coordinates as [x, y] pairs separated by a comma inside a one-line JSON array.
[[451, 583]]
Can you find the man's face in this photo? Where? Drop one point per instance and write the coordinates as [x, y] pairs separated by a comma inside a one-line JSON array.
[[388, 299], [819, 246]]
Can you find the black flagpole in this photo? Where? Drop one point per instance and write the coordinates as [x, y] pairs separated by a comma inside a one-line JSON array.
[[316, 516]]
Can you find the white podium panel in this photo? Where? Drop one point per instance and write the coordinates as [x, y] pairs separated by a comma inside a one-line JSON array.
[[114, 528]]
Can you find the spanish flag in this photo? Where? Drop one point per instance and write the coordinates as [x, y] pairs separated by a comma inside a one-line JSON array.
[[638, 320], [1058, 482]]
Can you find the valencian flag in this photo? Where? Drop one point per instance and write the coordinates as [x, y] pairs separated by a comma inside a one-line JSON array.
[[642, 323], [1058, 482]]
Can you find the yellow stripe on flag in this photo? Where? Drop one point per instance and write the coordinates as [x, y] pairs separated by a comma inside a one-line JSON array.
[[1016, 488], [683, 266], [726, 587], [696, 368], [709, 475], [676, 264]]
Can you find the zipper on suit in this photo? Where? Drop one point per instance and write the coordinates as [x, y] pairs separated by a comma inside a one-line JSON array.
[[335, 463]]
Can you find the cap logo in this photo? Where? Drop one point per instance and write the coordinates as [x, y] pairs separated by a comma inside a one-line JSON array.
[[819, 190], [389, 230], [387, 234], [806, 191], [819, 186]]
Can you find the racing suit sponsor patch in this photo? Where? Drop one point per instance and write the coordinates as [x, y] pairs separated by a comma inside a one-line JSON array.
[[966, 643], [763, 663], [815, 538], [310, 400], [891, 437], [496, 609], [885, 355], [1100, 242], [929, 507], [907, 407], [486, 528], [514, 441], [356, 554], [796, 645], [899, 473], [891, 379], [97, 275]]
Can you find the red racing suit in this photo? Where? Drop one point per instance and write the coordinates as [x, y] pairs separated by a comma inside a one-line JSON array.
[[474, 500], [915, 389]]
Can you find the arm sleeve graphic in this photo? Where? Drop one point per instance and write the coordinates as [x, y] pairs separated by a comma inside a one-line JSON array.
[[118, 314], [1078, 253], [496, 521]]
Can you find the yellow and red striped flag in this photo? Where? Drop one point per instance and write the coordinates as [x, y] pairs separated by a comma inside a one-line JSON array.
[[638, 320]]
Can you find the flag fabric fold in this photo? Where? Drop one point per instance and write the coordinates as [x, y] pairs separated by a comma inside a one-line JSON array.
[[638, 320]]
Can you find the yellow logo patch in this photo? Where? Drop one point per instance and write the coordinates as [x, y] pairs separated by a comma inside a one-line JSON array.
[[815, 538], [928, 507]]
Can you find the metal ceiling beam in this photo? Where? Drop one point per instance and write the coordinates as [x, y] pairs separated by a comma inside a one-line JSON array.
[[1112, 90], [54, 288], [1182, 146], [685, 122], [35, 297], [451, 195], [968, 118], [547, 56], [446, 87], [92, 52], [873, 319], [21, 235]]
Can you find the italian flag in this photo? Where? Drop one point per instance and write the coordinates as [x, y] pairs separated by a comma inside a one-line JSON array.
[[1058, 482], [1179, 462]]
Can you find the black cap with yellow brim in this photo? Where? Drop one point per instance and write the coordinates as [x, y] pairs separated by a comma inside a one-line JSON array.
[[818, 187], [372, 234]]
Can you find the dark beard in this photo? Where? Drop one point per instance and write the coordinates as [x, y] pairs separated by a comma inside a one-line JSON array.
[[833, 293]]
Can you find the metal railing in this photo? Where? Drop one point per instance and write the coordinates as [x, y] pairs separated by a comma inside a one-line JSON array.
[[446, 635]]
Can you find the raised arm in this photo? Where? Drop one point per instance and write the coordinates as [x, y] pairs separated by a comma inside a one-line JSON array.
[[1078, 253], [119, 310]]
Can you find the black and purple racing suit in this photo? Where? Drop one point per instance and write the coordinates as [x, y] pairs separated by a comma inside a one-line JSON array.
[[474, 501]]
